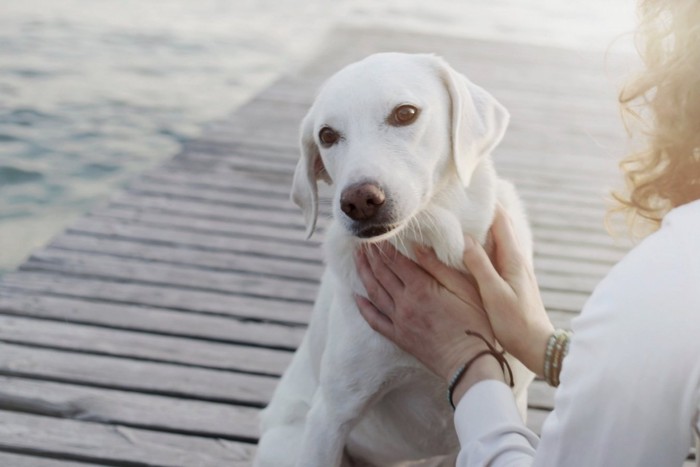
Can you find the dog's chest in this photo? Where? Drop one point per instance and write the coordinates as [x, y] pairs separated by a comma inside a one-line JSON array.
[[413, 421]]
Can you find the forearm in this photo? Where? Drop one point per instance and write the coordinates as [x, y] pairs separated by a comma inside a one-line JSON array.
[[531, 351], [490, 429]]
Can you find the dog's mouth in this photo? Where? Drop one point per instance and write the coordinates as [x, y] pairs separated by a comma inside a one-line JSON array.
[[375, 231]]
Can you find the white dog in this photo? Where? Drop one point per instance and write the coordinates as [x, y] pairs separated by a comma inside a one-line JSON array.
[[405, 141]]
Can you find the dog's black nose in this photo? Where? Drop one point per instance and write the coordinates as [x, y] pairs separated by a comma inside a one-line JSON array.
[[362, 201]]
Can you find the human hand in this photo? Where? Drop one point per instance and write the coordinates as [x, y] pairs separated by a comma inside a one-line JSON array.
[[509, 292], [421, 316]]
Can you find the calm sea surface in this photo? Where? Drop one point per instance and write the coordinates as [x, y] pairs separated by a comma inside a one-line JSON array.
[[93, 92]]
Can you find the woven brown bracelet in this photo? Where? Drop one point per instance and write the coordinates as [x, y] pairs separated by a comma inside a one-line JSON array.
[[457, 376], [500, 356], [461, 371]]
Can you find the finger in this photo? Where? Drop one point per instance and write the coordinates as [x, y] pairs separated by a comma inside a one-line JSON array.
[[508, 254], [380, 262], [375, 318], [490, 246], [479, 264], [375, 291], [406, 270], [453, 280]]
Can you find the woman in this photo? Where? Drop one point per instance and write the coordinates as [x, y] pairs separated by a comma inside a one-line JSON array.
[[630, 385]]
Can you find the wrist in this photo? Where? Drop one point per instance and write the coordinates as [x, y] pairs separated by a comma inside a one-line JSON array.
[[478, 368], [484, 368], [556, 350], [459, 354], [533, 355]]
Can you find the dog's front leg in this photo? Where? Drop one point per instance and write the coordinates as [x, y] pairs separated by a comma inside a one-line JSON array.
[[352, 379], [327, 429]]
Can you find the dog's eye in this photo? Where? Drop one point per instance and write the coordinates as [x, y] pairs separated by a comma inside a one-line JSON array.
[[328, 136], [403, 115]]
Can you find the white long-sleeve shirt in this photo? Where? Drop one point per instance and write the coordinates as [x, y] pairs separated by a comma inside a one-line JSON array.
[[630, 385]]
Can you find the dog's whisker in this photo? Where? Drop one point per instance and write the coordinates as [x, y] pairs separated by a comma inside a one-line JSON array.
[[414, 228], [429, 223], [419, 228], [402, 240]]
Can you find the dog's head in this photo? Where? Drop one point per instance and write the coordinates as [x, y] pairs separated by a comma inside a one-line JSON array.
[[385, 132]]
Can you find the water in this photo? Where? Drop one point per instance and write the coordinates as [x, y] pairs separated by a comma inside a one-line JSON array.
[[93, 92]]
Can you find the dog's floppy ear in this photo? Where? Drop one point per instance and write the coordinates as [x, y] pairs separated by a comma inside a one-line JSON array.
[[479, 121], [309, 170]]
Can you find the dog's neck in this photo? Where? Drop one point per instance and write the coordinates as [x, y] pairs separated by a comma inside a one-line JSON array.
[[454, 210]]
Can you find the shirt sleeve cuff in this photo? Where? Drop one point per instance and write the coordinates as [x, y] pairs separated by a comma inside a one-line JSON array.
[[490, 402]]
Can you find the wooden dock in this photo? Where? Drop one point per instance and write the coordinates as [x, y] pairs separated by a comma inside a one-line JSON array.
[[153, 330]]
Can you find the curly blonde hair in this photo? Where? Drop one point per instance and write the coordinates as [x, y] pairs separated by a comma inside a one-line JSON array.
[[664, 103]]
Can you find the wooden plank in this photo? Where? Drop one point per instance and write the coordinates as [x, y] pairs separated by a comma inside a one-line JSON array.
[[153, 412], [116, 445], [272, 152], [143, 346], [156, 218], [136, 375], [213, 196], [249, 308], [564, 301], [213, 179], [19, 460], [243, 213], [128, 270], [240, 262], [203, 241], [579, 253], [566, 283], [242, 165], [565, 235], [569, 215], [568, 267], [148, 319]]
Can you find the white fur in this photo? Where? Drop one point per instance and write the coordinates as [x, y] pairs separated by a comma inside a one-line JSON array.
[[350, 393]]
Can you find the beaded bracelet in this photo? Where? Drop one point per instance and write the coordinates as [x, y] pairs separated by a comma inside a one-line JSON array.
[[557, 349]]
